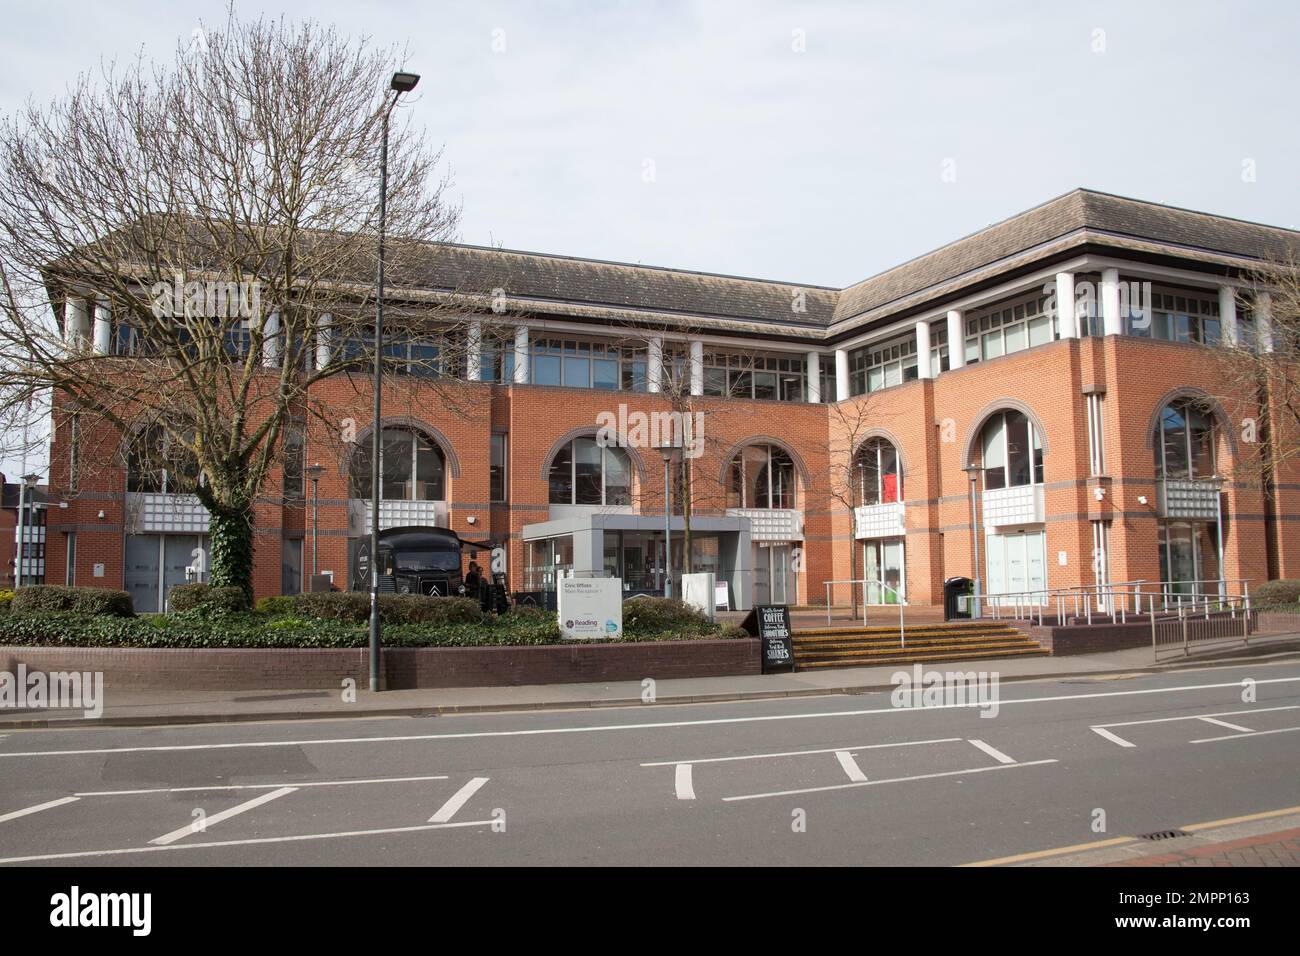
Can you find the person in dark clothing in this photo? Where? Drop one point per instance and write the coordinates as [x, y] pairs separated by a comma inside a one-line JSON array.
[[473, 579]]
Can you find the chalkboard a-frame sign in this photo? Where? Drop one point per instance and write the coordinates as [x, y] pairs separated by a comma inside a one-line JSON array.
[[771, 624]]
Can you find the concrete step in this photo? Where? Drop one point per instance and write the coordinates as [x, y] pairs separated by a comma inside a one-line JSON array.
[[919, 634], [844, 650], [962, 654]]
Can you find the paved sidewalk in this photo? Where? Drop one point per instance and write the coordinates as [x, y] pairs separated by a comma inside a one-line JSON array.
[[128, 707], [1271, 838]]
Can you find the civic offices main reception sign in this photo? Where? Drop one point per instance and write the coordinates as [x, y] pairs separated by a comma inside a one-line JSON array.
[[590, 607]]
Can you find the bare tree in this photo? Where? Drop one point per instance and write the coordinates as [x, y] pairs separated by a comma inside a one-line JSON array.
[[210, 224], [1260, 374]]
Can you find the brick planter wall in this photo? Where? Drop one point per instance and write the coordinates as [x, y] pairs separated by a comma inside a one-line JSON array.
[[316, 668]]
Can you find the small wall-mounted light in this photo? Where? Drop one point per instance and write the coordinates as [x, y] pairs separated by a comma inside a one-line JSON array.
[[471, 520], [1142, 499], [1099, 493], [101, 513]]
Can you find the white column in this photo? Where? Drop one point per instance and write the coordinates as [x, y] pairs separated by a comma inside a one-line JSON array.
[[956, 339], [76, 326], [271, 340], [103, 327], [1228, 315], [654, 364], [324, 340], [923, 367], [474, 351], [521, 355], [697, 368], [1067, 322], [841, 375], [813, 372], [1111, 322], [1264, 321]]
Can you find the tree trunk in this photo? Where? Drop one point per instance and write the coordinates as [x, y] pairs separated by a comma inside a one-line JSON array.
[[231, 532]]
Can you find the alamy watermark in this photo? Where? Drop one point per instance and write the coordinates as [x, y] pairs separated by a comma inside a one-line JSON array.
[[210, 299], [920, 688], [57, 690], [634, 429]]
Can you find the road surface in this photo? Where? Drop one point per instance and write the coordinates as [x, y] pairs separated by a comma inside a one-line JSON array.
[[828, 780]]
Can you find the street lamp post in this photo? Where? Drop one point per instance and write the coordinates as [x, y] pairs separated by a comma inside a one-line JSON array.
[[972, 472], [400, 83], [667, 452], [313, 473]]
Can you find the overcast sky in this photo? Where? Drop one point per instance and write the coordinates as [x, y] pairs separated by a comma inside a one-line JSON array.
[[809, 142]]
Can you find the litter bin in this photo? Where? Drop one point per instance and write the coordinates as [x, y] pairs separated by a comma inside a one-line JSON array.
[[958, 598]]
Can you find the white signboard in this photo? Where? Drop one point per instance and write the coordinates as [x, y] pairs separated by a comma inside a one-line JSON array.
[[697, 592], [590, 607]]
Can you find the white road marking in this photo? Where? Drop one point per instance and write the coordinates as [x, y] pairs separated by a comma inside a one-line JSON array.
[[1113, 738], [801, 753], [37, 809], [125, 851], [604, 728], [257, 786], [188, 829], [458, 800], [874, 783], [1253, 733], [1221, 713], [993, 752], [851, 768], [1224, 723], [683, 782]]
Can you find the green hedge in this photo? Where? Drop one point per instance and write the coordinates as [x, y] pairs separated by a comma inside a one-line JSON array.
[[1277, 593], [275, 605], [652, 615], [353, 607], [184, 598], [53, 598], [6, 599]]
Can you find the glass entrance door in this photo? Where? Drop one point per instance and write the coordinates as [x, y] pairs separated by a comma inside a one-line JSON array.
[[774, 579], [883, 571]]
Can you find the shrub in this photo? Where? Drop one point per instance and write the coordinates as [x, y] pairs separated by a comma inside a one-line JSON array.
[[6, 598], [647, 615], [353, 607], [43, 598], [732, 632], [1275, 593], [204, 597], [275, 606]]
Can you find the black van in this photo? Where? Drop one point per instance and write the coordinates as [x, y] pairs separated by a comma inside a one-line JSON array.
[[426, 560]]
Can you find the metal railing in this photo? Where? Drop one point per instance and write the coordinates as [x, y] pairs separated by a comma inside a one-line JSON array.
[[869, 582], [1116, 602], [1209, 621]]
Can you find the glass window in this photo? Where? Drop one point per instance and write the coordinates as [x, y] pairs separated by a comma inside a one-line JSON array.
[[1185, 442], [1012, 450], [878, 480], [158, 464], [762, 476], [497, 468], [411, 467], [561, 476], [584, 473]]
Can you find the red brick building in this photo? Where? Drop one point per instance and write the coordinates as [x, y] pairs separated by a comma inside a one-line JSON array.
[[1068, 354]]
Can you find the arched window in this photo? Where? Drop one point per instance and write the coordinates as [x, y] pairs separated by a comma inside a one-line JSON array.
[[158, 464], [1185, 439], [411, 467], [877, 478], [586, 473], [1012, 450], [761, 476]]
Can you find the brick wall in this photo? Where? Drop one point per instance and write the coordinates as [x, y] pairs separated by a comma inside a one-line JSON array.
[[311, 668]]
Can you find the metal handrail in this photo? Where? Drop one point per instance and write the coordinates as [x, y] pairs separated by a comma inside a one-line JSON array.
[[1112, 600], [899, 598]]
